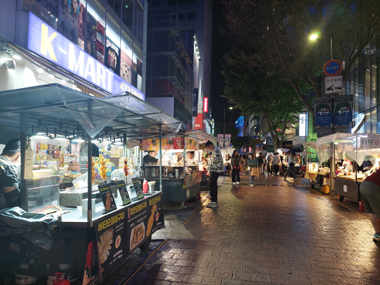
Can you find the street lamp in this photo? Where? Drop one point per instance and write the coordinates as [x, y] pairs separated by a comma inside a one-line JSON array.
[[224, 125], [314, 36]]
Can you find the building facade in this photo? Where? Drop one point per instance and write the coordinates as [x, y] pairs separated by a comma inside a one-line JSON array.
[[179, 59], [95, 46]]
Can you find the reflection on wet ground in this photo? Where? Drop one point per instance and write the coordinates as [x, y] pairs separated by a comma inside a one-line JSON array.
[[274, 232]]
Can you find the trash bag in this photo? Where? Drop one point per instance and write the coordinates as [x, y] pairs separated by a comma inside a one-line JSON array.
[[36, 228]]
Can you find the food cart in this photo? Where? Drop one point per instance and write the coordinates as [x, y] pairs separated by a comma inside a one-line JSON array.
[[182, 177], [100, 220], [345, 160]]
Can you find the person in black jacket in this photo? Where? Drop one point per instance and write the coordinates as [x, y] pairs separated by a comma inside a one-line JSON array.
[[235, 164]]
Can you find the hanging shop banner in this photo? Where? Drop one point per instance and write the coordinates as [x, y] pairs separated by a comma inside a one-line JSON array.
[[48, 43], [192, 144], [323, 116], [167, 144], [343, 113]]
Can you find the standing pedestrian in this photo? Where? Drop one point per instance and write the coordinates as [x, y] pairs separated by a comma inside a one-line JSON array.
[[291, 164], [215, 167], [243, 164], [235, 163], [252, 163], [370, 192], [269, 163], [276, 161]]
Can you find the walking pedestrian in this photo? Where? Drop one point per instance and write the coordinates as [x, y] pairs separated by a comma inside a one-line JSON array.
[[235, 163], [252, 163], [291, 164], [276, 163], [269, 163], [370, 192], [260, 160], [215, 167]]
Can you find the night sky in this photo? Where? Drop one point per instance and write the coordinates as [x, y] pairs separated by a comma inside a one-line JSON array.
[[220, 45]]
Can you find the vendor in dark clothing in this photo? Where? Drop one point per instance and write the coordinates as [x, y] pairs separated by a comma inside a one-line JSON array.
[[150, 158], [9, 184]]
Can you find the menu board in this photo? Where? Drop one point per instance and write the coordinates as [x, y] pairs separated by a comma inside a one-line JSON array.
[[192, 144], [123, 192], [167, 144], [137, 188], [107, 196]]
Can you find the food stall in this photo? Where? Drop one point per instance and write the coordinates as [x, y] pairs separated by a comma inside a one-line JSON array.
[[182, 165], [345, 160], [69, 138]]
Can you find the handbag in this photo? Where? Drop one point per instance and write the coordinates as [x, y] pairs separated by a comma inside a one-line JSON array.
[[255, 171]]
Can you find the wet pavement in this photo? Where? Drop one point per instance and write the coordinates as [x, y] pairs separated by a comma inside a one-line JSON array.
[[275, 232]]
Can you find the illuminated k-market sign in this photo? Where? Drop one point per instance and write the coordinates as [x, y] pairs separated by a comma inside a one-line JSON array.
[[50, 44]]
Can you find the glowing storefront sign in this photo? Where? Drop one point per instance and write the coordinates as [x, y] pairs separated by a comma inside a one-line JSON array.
[[205, 104], [50, 44], [302, 125]]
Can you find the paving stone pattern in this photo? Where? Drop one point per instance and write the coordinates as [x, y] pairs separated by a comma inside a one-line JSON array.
[[269, 235]]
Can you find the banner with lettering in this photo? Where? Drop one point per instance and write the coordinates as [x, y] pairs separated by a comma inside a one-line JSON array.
[[110, 236], [343, 113], [144, 218], [121, 232], [323, 116]]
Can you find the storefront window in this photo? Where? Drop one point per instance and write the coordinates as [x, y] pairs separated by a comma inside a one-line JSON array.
[[68, 19], [139, 23], [115, 6], [47, 11], [95, 31], [374, 121], [127, 14], [112, 55]]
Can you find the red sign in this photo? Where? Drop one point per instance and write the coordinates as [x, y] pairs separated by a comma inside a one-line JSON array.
[[205, 104], [332, 67], [198, 124]]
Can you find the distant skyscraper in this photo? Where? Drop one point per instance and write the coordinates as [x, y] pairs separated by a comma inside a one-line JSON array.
[[179, 59]]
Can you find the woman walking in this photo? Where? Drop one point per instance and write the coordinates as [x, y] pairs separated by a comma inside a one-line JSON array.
[[252, 163], [235, 164]]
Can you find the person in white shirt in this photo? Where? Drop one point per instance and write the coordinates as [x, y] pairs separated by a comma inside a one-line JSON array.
[[291, 166], [275, 163], [190, 160]]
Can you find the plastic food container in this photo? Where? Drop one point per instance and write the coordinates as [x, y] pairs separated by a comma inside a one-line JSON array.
[[81, 181]]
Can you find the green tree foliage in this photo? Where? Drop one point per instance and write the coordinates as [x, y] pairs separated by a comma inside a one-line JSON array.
[[273, 35], [256, 93]]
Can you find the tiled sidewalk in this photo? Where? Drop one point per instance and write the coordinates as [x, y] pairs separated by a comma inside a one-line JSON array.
[[271, 233]]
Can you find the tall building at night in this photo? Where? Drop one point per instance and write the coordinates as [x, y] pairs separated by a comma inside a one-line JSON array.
[[179, 59]]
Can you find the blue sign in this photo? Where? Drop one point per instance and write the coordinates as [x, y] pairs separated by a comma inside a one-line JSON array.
[[332, 67], [323, 115], [48, 43], [343, 111]]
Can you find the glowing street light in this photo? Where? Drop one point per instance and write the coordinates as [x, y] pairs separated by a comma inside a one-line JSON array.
[[314, 36]]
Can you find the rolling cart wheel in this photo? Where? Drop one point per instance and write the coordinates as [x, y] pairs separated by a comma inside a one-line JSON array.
[[312, 186], [341, 198], [146, 243]]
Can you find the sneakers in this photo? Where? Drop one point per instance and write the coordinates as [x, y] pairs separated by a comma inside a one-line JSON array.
[[233, 183], [251, 184], [237, 183], [284, 178], [376, 237], [212, 205]]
